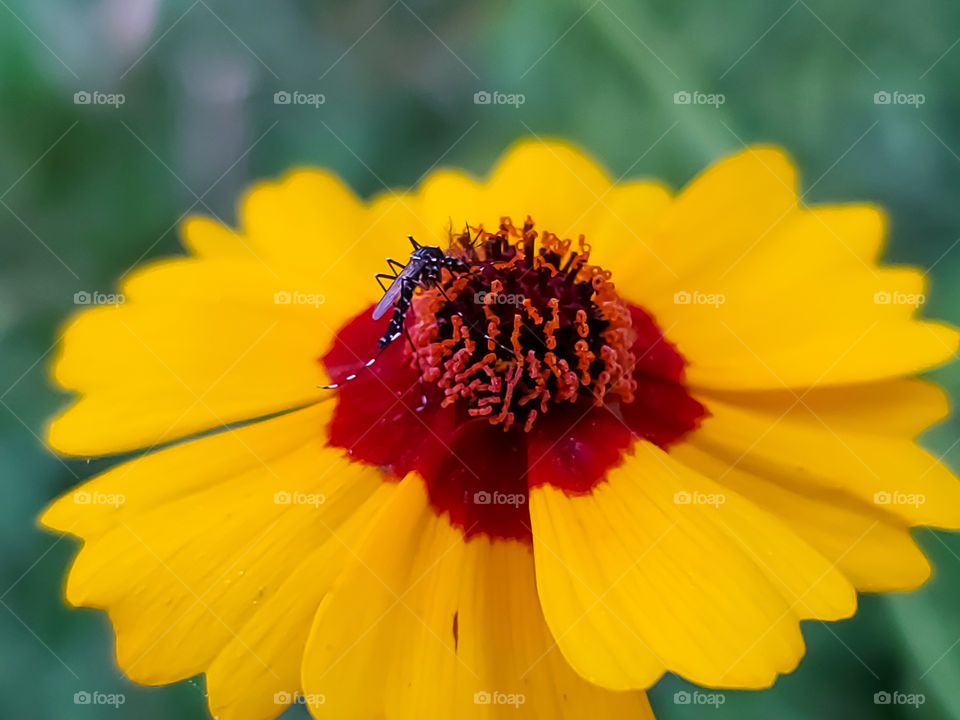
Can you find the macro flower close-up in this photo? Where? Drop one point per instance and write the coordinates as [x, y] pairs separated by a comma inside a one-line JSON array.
[[503, 361], [591, 432]]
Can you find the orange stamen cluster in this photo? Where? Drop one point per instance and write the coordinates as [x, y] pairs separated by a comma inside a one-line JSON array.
[[524, 328]]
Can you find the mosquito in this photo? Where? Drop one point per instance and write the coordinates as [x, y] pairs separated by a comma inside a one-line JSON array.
[[424, 269]]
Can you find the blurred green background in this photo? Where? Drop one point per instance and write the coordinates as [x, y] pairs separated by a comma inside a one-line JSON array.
[[88, 190]]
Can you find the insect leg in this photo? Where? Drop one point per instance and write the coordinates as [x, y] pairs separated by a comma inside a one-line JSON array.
[[416, 357], [393, 332], [380, 277], [351, 376], [395, 328], [395, 264]]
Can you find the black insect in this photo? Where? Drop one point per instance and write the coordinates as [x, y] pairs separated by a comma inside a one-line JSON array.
[[424, 269]]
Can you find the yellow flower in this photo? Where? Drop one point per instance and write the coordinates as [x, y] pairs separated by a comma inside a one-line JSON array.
[[656, 446]]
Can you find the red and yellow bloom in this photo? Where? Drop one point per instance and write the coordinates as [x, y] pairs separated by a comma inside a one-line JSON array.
[[656, 447]]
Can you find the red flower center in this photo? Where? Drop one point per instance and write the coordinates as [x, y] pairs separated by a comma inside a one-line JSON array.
[[519, 366]]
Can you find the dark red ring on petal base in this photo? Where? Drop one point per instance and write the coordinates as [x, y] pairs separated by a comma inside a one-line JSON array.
[[477, 473]]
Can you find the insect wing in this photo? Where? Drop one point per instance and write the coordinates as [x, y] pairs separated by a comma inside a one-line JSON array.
[[393, 292]]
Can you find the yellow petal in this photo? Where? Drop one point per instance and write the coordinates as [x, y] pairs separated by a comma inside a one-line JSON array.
[[789, 443], [660, 569], [214, 555], [154, 370], [184, 469], [257, 673], [559, 186], [449, 199], [240, 283], [205, 237], [871, 547], [311, 219], [308, 224], [711, 223], [426, 625], [622, 238], [899, 408], [759, 293]]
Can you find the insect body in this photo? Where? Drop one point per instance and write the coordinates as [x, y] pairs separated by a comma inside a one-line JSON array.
[[424, 269]]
